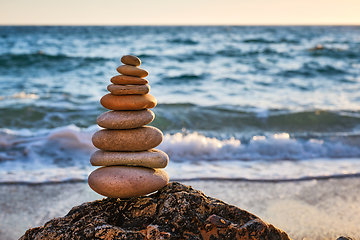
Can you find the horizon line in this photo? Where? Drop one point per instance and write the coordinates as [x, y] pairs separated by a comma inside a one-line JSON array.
[[183, 25]]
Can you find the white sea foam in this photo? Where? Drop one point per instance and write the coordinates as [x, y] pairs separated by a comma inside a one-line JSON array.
[[62, 154], [195, 146], [21, 95], [73, 136], [59, 154]]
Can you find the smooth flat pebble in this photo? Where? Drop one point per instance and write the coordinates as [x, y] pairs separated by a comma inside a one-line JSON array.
[[131, 60], [128, 102], [152, 158], [125, 119], [132, 71], [128, 89], [128, 80], [127, 181], [137, 139]]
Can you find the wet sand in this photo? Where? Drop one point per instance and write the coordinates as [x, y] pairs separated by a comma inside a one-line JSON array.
[[313, 209]]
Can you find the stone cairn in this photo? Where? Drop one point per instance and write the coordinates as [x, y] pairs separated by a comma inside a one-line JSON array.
[[131, 167]]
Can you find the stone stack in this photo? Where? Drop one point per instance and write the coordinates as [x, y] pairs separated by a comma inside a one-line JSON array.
[[131, 167]]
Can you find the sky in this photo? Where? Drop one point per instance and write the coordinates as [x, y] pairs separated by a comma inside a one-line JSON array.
[[180, 12]]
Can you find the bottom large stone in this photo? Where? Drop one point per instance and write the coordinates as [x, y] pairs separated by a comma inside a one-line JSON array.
[[127, 181]]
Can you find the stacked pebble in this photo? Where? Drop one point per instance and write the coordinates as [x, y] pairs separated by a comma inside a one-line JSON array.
[[131, 165]]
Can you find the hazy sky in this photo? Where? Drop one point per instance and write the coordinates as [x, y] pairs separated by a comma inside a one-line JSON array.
[[178, 12]]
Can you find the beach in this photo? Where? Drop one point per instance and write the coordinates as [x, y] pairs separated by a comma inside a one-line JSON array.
[[313, 209]]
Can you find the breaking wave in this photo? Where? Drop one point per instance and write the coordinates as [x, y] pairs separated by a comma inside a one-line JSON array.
[[62, 154]]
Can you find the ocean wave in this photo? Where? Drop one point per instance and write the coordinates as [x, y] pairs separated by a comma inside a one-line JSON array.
[[62, 154], [235, 119], [224, 119], [186, 77], [195, 147], [181, 79], [253, 52], [313, 70], [269, 41], [21, 95], [45, 147], [188, 146], [321, 51], [183, 41], [34, 117], [41, 59], [229, 80]]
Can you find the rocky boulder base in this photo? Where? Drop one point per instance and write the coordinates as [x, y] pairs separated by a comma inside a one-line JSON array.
[[174, 212]]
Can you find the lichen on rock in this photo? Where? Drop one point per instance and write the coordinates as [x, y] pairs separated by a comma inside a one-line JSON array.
[[176, 211]]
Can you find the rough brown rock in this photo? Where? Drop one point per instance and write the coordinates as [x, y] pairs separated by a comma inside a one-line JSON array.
[[174, 212], [132, 71], [128, 89], [125, 119], [131, 60], [137, 139], [130, 80], [128, 102]]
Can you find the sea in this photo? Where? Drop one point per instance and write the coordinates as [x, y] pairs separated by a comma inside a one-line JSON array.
[[252, 103]]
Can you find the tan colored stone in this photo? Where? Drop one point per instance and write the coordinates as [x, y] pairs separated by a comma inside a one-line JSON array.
[[128, 89], [128, 102], [132, 71], [127, 181], [152, 158], [131, 60], [128, 80], [137, 139], [125, 119]]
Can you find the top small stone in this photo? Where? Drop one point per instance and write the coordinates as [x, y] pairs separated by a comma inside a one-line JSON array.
[[131, 60]]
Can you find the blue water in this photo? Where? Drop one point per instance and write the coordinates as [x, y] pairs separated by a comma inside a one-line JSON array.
[[257, 103]]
